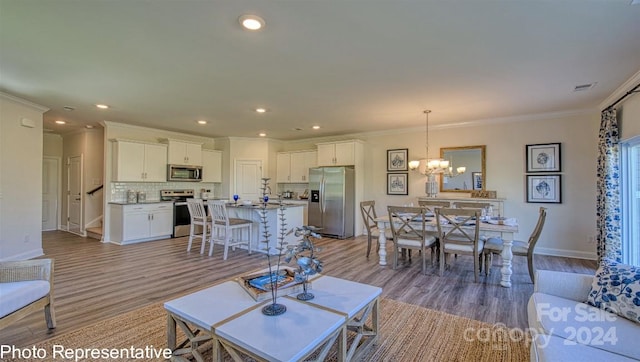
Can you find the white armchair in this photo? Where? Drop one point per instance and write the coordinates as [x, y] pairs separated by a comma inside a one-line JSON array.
[[26, 286]]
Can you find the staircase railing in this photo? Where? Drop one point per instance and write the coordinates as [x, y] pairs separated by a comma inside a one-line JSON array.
[[95, 190]]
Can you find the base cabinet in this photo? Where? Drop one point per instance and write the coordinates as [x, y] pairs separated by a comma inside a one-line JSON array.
[[133, 223]]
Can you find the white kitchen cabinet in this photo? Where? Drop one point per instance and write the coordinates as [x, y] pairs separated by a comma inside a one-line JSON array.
[[211, 166], [132, 223], [184, 153], [300, 164], [293, 167], [338, 153], [139, 162], [283, 167]]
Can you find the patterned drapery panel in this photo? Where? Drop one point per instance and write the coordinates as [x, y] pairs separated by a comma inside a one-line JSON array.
[[608, 188]]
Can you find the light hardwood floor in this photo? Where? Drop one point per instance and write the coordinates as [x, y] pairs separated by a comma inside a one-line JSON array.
[[94, 281]]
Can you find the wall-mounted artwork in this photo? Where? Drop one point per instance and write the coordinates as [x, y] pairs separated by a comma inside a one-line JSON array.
[[544, 188], [397, 160], [476, 178], [543, 157], [397, 184]]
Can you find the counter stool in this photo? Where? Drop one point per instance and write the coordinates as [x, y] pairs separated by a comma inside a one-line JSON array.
[[198, 217], [223, 228]]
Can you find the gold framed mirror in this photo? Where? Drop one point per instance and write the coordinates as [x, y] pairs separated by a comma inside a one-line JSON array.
[[466, 169]]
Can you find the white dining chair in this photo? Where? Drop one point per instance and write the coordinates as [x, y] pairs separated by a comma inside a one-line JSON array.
[[198, 217], [225, 229], [456, 239], [408, 226]]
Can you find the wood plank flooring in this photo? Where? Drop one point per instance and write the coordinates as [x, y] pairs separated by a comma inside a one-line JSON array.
[[94, 281]]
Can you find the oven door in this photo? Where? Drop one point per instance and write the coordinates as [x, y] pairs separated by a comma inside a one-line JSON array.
[[181, 219]]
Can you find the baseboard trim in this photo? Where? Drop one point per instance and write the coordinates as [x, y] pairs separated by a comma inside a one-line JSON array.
[[567, 253], [26, 255]]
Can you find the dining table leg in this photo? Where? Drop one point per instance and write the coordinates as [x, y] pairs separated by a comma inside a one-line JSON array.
[[507, 256], [382, 253]]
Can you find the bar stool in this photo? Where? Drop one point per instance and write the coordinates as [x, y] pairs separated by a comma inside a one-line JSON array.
[[223, 228], [198, 218]]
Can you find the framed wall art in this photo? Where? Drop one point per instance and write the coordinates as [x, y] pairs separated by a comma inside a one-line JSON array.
[[397, 184], [544, 188], [476, 178], [397, 160], [543, 157]]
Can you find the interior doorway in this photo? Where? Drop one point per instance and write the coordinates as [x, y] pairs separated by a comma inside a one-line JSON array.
[[74, 195], [50, 193], [248, 175]]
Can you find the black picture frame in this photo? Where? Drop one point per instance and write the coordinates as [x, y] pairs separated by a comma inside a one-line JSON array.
[[398, 183], [544, 189], [476, 180], [398, 160], [543, 157]]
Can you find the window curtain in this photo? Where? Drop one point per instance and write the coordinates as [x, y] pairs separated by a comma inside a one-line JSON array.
[[609, 240]]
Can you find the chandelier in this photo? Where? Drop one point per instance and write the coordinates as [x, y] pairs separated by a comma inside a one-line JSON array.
[[433, 166]]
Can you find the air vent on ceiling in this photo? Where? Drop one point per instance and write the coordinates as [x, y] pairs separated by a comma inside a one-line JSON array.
[[584, 87], [68, 108]]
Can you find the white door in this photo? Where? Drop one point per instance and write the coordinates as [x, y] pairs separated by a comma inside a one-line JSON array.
[[248, 175], [49, 194], [74, 195]]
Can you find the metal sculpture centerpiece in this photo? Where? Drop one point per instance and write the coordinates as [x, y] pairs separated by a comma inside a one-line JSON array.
[[274, 308], [304, 253]]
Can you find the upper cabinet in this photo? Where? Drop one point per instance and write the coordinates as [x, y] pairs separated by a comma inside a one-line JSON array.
[[184, 153], [293, 167], [338, 153], [211, 166], [139, 162]]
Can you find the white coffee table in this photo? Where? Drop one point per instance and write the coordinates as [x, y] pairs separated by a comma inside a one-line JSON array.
[[226, 314]]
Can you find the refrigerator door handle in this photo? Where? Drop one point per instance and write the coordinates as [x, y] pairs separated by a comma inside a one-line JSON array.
[[322, 204]]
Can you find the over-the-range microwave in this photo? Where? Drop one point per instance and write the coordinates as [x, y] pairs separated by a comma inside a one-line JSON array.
[[184, 173]]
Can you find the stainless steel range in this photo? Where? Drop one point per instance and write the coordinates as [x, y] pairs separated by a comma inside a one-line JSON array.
[[181, 217]]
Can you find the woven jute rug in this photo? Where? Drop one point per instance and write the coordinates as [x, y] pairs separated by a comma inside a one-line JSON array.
[[407, 333]]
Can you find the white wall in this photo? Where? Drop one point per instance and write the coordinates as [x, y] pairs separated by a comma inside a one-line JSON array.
[[569, 226], [20, 179], [52, 145]]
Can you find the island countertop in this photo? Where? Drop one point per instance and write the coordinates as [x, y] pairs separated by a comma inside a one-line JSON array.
[[270, 205]]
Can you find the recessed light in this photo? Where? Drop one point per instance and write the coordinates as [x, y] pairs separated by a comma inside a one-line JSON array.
[[61, 122], [102, 106], [261, 110], [89, 126], [202, 122], [262, 134], [316, 127], [251, 22]]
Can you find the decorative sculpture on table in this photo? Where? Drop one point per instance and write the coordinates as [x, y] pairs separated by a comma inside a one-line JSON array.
[[275, 274], [307, 264]]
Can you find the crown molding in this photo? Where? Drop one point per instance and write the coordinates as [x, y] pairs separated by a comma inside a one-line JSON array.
[[24, 102], [620, 91]]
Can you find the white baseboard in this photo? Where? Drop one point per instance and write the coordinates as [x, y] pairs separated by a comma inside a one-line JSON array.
[[567, 253], [26, 255]]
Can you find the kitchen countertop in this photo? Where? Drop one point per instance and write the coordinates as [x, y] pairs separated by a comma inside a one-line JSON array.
[[270, 205], [139, 203]]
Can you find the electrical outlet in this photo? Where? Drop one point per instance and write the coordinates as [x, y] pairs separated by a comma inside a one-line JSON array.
[[27, 238], [591, 239]]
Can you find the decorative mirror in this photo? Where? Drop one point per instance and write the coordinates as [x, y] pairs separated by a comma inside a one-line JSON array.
[[466, 169]]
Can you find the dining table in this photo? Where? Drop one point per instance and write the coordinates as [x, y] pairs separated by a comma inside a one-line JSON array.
[[487, 229]]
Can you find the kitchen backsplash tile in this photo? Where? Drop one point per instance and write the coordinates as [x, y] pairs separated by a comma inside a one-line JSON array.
[[152, 189]]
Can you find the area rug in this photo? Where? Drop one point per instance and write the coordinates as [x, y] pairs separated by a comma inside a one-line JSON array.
[[407, 333]]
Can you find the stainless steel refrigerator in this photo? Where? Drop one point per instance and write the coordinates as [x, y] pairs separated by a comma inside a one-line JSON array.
[[332, 200]]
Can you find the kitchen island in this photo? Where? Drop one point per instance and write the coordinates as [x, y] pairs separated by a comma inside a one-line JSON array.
[[293, 214]]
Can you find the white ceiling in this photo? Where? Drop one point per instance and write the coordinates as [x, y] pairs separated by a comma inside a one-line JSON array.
[[347, 65]]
